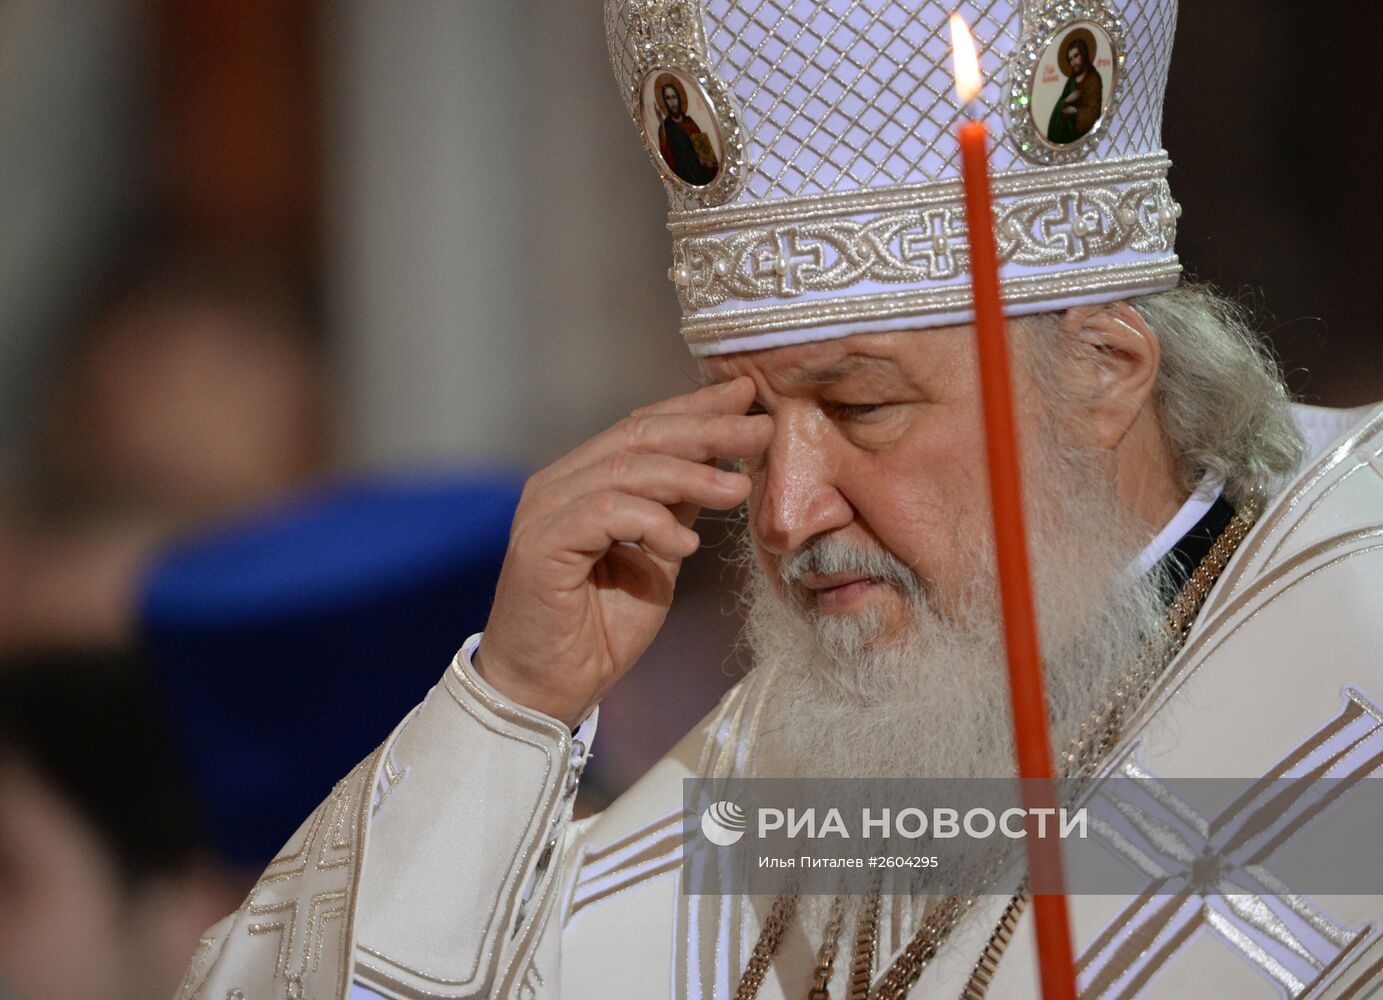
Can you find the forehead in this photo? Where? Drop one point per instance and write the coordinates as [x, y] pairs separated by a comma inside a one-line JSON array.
[[829, 360]]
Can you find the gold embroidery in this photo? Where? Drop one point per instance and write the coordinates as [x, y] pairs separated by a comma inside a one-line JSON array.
[[922, 244], [1080, 761]]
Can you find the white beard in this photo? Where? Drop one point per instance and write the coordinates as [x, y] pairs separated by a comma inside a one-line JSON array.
[[848, 702], [845, 701]]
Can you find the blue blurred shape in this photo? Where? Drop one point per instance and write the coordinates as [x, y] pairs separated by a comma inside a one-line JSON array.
[[289, 643]]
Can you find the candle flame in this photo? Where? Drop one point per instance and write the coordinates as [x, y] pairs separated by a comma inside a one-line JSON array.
[[965, 60]]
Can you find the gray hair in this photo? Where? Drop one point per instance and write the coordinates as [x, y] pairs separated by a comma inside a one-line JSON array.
[[1220, 397]]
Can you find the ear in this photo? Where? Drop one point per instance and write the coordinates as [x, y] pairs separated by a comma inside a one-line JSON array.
[[1117, 360]]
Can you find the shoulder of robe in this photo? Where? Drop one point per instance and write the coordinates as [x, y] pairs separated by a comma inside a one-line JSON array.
[[1280, 672], [1336, 496], [1290, 633], [639, 836]]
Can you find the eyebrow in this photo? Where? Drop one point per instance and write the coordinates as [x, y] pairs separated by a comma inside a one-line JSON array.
[[848, 366], [822, 376]]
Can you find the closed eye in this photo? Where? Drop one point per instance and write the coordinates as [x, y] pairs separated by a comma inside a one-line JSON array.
[[848, 411]]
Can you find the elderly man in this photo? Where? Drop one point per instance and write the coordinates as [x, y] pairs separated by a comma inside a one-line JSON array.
[[1207, 569]]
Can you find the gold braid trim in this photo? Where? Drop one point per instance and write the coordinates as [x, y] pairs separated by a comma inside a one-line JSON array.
[[1083, 758], [1080, 761]]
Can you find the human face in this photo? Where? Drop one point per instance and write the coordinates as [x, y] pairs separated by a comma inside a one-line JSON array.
[[673, 102], [1077, 60], [877, 439]]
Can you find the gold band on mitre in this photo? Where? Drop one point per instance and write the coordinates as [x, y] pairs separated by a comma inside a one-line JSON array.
[[809, 154]]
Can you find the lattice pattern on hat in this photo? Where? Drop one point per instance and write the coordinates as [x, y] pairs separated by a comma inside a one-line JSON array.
[[859, 93], [1136, 126], [837, 96]]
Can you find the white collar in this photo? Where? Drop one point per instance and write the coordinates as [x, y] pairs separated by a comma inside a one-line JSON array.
[[1182, 521]]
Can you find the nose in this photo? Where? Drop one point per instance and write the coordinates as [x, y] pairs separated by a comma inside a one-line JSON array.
[[795, 496]]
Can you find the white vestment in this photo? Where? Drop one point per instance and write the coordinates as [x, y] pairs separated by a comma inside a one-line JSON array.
[[446, 864]]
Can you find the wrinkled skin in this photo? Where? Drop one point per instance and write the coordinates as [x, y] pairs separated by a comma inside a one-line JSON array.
[[873, 436]]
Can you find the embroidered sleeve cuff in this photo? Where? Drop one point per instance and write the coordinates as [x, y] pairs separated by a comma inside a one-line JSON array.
[[582, 736], [459, 868]]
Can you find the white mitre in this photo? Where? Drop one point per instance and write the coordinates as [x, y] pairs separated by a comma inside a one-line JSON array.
[[815, 189]]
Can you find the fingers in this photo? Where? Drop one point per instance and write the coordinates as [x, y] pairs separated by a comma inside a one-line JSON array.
[[697, 437], [662, 455], [588, 526], [721, 397], [716, 411], [661, 478]]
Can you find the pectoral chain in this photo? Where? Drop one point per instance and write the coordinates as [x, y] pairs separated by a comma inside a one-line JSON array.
[[1080, 761]]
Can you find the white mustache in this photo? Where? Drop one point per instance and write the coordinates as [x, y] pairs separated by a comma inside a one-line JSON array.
[[830, 554]]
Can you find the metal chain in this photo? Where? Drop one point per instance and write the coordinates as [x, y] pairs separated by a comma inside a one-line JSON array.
[[1180, 616], [1097, 736], [983, 973], [826, 957], [775, 925], [1080, 761], [866, 948]]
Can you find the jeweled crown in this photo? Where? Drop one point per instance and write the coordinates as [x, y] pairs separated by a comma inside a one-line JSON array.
[[809, 152]]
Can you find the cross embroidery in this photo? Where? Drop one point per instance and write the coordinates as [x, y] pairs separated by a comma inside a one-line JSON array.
[[1211, 873], [789, 262], [1070, 225], [932, 244]]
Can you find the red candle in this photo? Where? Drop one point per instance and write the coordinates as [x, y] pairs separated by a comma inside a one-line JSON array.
[[1032, 737]]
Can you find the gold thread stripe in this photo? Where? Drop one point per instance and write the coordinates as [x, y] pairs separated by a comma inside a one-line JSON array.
[[732, 324], [634, 878], [642, 836], [651, 851]]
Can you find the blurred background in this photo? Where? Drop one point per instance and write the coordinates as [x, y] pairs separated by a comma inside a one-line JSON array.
[[283, 285]]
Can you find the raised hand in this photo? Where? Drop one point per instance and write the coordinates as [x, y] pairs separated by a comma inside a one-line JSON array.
[[598, 539]]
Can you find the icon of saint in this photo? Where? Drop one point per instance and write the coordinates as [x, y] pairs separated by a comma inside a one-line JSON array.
[[685, 148], [1082, 100]]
